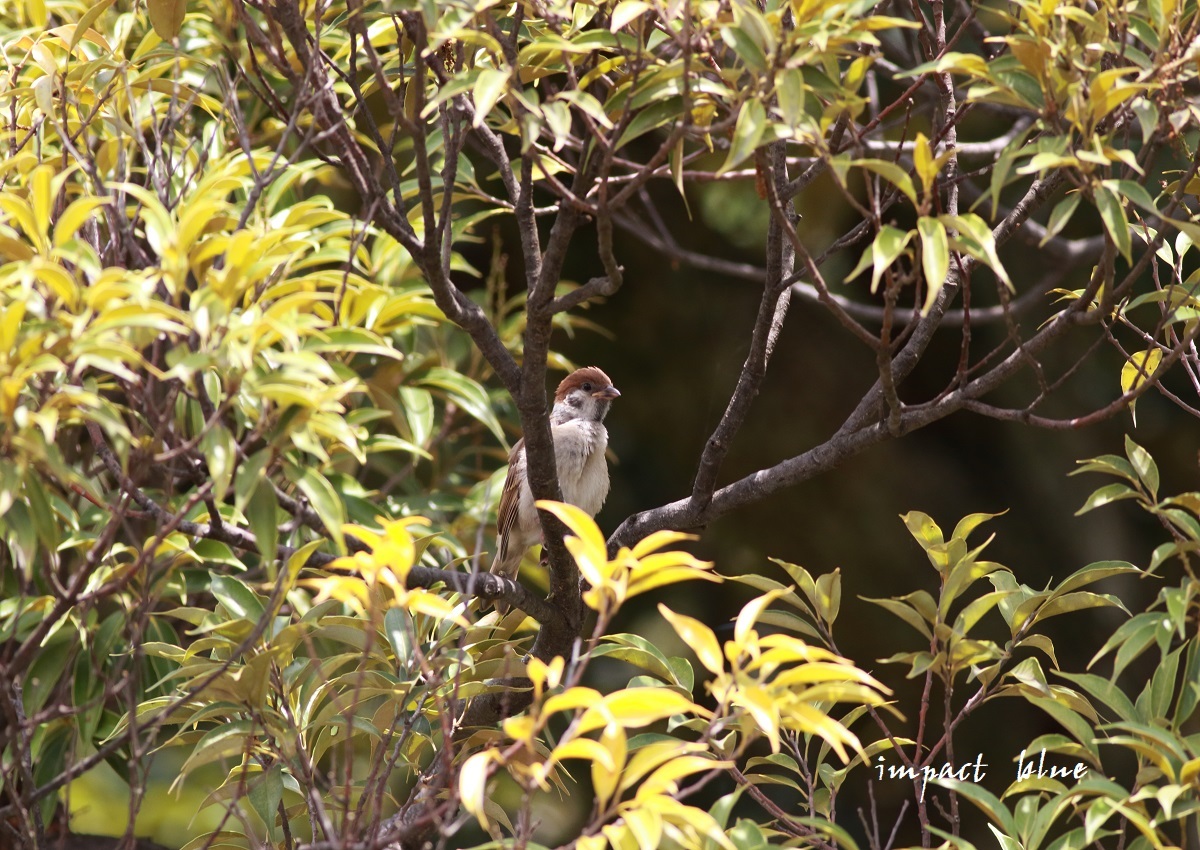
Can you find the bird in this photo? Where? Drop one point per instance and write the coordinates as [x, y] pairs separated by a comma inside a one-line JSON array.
[[580, 439]]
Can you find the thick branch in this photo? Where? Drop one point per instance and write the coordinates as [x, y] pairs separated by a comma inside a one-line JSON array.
[[772, 310], [486, 586]]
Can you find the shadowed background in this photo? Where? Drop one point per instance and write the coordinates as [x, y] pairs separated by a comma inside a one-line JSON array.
[[679, 337]]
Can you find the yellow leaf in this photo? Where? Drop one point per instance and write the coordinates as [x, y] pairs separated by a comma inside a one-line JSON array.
[[73, 217], [642, 706], [635, 707], [590, 552], [698, 820], [572, 699], [646, 826], [579, 524], [763, 710], [432, 605], [472, 784], [699, 637], [659, 578], [1139, 367], [543, 674], [809, 719], [663, 780], [604, 777], [652, 756], [370, 538], [41, 196], [520, 728], [750, 613], [813, 672], [656, 541], [923, 161], [349, 589], [10, 324], [587, 749]]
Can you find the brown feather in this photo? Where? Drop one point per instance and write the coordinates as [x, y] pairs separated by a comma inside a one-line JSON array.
[[588, 374], [510, 497]]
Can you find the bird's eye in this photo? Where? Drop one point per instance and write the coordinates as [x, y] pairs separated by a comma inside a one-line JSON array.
[[587, 386]]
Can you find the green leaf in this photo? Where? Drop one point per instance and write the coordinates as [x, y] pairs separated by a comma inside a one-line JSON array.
[[974, 610], [790, 622], [1112, 213], [397, 625], [905, 612], [265, 794], [468, 394], [1106, 494], [889, 243], [1135, 192], [490, 86], [637, 651], [240, 601], [789, 93], [1143, 465], [1060, 215], [985, 801], [935, 258], [85, 22], [323, 499], [962, 575], [1078, 727], [653, 116], [975, 238], [417, 406], [1161, 687], [166, 16], [1139, 639], [262, 517], [1093, 573], [889, 171], [1110, 464], [747, 134], [744, 45], [768, 585], [588, 105], [1078, 601], [220, 456]]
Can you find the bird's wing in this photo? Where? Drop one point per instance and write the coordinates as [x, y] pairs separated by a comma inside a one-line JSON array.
[[509, 499]]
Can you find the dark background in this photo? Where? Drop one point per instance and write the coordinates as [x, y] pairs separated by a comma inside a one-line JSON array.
[[678, 339]]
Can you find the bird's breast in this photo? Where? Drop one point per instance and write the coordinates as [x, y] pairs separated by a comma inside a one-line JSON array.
[[582, 470]]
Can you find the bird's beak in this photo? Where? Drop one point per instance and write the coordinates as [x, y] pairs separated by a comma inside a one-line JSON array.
[[608, 393]]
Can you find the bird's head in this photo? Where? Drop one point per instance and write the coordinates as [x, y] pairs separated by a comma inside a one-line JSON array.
[[584, 394]]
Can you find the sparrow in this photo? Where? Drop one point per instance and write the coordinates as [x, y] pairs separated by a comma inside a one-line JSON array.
[[577, 426]]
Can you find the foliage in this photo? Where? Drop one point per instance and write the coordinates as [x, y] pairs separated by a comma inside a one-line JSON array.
[[248, 325]]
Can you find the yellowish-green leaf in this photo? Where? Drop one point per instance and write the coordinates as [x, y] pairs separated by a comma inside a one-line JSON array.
[[749, 614], [747, 134], [1140, 367], [697, 636], [627, 11], [935, 258], [166, 16], [488, 89]]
